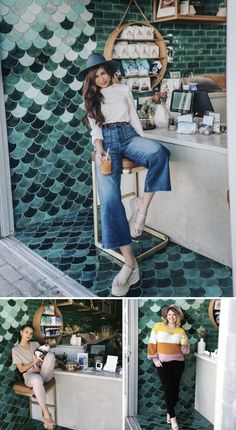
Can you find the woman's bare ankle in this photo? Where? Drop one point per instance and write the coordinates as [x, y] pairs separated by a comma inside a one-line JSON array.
[[131, 262]]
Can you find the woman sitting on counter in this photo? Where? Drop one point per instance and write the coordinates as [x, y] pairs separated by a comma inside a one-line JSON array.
[[35, 370]]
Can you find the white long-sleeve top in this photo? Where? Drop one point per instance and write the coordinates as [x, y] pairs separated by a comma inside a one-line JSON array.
[[118, 106]]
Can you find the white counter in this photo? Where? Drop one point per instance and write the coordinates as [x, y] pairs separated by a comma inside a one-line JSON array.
[[88, 400], [205, 386], [195, 213], [213, 142]]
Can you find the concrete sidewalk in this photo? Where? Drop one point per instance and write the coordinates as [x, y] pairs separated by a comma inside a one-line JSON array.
[[25, 274]]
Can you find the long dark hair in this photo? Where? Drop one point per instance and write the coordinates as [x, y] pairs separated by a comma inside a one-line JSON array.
[[92, 95], [23, 327]]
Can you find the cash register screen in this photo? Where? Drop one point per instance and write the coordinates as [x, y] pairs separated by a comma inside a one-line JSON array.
[[181, 101], [196, 102]]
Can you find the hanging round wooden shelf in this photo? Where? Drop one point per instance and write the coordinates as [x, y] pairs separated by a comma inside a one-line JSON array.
[[48, 324], [115, 37]]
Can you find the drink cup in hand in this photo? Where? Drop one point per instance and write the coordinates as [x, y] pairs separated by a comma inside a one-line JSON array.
[[105, 167]]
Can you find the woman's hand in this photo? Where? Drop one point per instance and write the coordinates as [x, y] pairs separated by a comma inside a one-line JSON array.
[[100, 156], [157, 363], [100, 152], [36, 360]]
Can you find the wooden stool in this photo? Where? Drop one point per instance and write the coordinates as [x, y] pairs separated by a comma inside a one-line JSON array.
[[128, 167], [22, 389]]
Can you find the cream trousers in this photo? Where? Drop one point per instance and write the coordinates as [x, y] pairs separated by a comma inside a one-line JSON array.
[[36, 380]]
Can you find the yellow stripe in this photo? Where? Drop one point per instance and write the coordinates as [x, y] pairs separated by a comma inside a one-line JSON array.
[[163, 327]]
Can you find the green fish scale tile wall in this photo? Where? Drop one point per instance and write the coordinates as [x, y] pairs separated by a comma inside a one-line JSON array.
[[43, 44], [196, 317], [14, 410]]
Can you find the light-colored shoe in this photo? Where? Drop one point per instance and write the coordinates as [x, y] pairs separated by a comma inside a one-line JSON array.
[[124, 279], [49, 423], [174, 424], [168, 419], [137, 219]]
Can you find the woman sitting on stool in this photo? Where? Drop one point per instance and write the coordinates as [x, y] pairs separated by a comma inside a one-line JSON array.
[[35, 371], [116, 128]]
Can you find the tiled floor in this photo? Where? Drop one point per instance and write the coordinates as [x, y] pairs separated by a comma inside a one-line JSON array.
[[191, 420], [38, 425], [67, 242]]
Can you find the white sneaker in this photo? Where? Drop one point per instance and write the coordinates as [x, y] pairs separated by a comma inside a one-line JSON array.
[[174, 424]]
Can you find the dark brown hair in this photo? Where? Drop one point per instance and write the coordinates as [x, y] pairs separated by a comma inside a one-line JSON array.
[[92, 95]]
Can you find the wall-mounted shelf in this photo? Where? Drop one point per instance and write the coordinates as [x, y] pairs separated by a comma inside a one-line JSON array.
[[115, 37], [214, 312], [203, 19], [48, 326], [177, 17], [99, 307]]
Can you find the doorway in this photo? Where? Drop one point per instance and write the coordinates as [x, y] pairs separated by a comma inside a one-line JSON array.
[[145, 408]]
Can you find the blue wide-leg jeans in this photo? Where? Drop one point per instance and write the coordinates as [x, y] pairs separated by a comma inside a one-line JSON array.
[[123, 142]]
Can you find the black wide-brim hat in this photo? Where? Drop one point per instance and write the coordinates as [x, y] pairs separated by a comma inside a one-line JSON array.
[[96, 60]]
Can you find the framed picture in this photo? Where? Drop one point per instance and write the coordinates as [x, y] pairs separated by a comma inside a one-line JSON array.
[[166, 8], [184, 7]]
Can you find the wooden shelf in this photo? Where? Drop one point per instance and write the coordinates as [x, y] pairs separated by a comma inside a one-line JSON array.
[[139, 58], [81, 307], [38, 326], [98, 341], [120, 39], [203, 19], [158, 40], [177, 17]]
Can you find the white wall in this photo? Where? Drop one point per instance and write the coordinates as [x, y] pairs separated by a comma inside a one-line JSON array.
[[6, 209], [225, 406], [231, 116]]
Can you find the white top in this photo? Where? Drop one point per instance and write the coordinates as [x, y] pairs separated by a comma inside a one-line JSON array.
[[118, 106]]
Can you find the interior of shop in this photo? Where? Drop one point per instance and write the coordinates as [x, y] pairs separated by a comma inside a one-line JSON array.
[[86, 338], [50, 146]]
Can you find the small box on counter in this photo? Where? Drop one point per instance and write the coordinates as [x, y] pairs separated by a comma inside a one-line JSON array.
[[207, 125], [186, 125], [216, 121]]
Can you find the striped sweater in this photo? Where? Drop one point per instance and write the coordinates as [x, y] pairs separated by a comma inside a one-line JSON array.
[[165, 343]]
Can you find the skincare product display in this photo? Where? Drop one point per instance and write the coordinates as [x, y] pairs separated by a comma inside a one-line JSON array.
[[186, 124], [216, 121], [207, 125], [201, 346], [137, 32], [82, 360]]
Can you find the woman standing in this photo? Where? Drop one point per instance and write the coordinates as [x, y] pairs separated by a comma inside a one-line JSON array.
[[35, 371], [167, 346], [116, 128]]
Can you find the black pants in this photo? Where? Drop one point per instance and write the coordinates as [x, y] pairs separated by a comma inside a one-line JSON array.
[[170, 374]]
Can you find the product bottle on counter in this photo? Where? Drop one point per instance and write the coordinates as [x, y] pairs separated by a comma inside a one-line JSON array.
[[201, 346]]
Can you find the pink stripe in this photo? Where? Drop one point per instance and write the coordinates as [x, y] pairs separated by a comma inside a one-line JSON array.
[[171, 357]]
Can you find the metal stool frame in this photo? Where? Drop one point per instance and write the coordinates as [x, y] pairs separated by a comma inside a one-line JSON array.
[[128, 167]]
